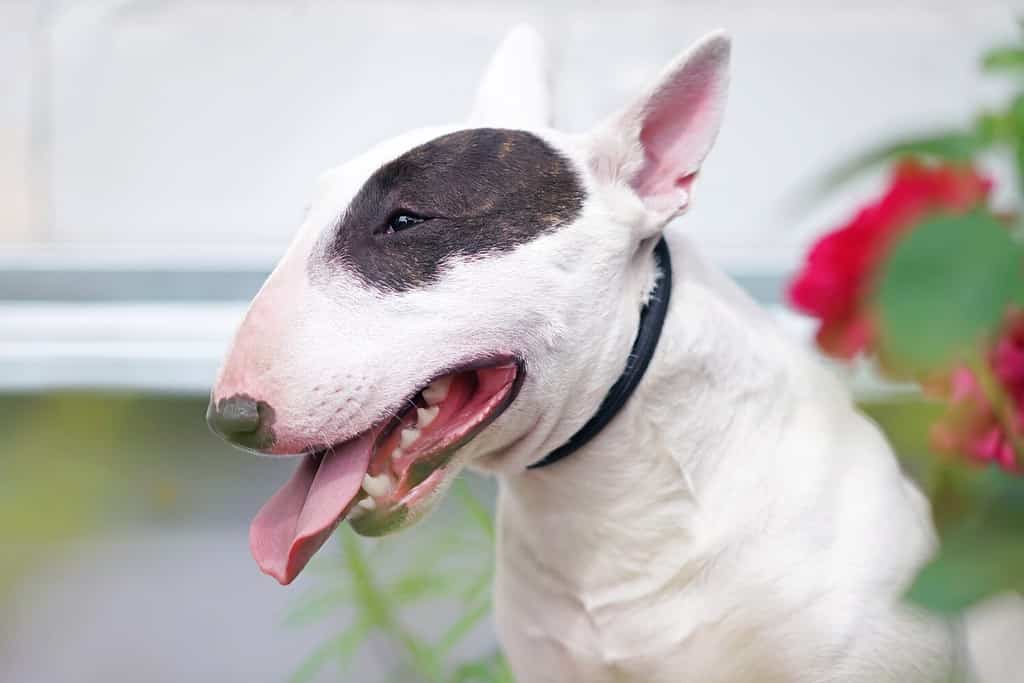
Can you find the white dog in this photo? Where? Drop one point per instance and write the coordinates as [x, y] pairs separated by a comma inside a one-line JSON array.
[[471, 294]]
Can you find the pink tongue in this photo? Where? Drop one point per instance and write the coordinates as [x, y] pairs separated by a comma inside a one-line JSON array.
[[300, 517]]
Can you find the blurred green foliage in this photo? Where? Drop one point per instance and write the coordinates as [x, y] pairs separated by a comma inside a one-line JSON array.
[[453, 566], [75, 463], [941, 297], [945, 287], [978, 512], [982, 554]]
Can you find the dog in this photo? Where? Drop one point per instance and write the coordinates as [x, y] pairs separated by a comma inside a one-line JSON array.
[[468, 295]]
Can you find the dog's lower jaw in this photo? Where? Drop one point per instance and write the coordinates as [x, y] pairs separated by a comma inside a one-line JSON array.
[[738, 521]]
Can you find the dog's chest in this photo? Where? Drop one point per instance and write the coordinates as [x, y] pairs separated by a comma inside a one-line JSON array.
[[558, 633], [571, 607]]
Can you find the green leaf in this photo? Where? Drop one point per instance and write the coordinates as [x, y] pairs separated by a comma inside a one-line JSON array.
[[473, 672], [944, 286], [477, 512], [319, 604], [417, 586], [954, 146], [490, 669], [462, 627], [339, 649], [478, 589], [982, 556], [1009, 58], [996, 128]]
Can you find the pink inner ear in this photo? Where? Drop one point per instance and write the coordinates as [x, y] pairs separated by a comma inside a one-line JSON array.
[[679, 126]]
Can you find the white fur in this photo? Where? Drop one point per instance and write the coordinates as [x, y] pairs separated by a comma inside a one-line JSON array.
[[738, 522], [514, 91]]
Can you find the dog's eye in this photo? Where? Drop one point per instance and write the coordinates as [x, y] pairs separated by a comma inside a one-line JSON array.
[[401, 220]]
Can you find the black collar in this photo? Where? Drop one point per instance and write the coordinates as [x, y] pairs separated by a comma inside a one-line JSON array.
[[652, 319]]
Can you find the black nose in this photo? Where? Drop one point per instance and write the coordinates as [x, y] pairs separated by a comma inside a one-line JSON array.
[[238, 419]]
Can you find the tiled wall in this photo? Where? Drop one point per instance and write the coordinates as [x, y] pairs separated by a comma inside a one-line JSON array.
[[160, 122]]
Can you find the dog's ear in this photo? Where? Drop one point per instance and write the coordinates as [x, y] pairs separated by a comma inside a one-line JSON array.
[[657, 144], [514, 91]]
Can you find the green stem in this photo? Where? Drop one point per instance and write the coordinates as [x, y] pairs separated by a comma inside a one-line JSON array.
[[378, 609], [477, 511]]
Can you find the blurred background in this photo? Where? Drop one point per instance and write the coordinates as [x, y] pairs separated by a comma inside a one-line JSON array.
[[155, 156]]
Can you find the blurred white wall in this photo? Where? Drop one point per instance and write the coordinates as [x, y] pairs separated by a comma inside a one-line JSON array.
[[171, 123], [17, 59]]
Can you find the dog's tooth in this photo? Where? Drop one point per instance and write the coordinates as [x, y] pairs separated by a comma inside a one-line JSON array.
[[377, 486], [368, 504], [424, 416], [397, 454], [437, 390], [409, 436], [357, 512]]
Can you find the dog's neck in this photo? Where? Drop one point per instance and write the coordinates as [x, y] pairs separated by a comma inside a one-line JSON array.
[[739, 479], [718, 392]]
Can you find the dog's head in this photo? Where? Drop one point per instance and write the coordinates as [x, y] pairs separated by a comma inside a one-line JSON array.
[[456, 295]]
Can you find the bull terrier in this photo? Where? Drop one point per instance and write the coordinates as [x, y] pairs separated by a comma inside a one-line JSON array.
[[685, 494]]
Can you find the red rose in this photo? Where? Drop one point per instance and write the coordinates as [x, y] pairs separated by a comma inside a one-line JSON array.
[[838, 274]]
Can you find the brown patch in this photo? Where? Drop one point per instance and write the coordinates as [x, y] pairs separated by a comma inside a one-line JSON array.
[[479, 191], [506, 149]]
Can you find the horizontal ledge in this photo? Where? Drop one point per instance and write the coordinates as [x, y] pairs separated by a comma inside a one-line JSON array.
[[206, 285], [99, 370], [166, 322], [131, 285], [154, 347], [176, 347]]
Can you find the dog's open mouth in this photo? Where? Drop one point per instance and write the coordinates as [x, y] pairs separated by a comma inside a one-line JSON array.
[[384, 478]]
